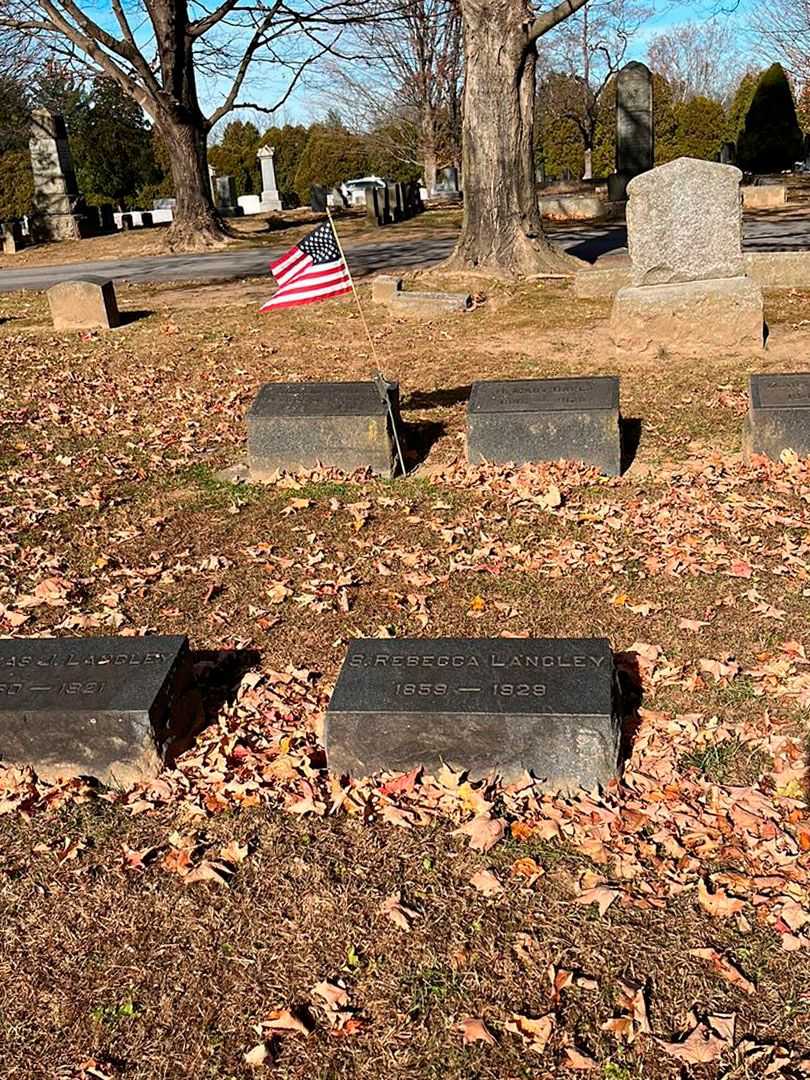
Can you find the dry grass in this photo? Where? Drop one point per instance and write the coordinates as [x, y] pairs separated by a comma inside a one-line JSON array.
[[157, 980]]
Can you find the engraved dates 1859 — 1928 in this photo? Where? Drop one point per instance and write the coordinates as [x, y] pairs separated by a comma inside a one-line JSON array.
[[546, 705], [113, 708]]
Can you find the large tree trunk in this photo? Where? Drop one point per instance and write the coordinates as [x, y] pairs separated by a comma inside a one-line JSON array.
[[196, 225], [502, 230]]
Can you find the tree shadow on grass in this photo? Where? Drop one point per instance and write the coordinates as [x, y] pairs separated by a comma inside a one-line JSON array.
[[418, 437], [629, 437], [442, 398], [218, 674], [128, 317], [629, 695]]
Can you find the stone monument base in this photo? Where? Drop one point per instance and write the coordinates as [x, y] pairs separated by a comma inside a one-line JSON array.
[[270, 201], [721, 313]]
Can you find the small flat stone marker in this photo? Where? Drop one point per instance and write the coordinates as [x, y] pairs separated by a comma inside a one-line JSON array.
[[778, 415], [115, 708], [84, 305], [545, 420], [345, 425], [549, 706]]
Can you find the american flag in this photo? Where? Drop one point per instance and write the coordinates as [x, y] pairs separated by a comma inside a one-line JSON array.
[[312, 270]]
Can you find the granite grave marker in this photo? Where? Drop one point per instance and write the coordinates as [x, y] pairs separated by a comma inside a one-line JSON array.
[[778, 415], [549, 706], [345, 425], [114, 708], [545, 420]]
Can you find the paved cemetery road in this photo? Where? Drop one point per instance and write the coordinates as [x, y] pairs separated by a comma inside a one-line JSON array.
[[775, 232]]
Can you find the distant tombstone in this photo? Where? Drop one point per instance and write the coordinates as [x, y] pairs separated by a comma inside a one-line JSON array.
[[270, 196], [12, 237], [106, 217], [383, 288], [226, 194], [115, 708], [84, 305], [728, 153], [549, 706], [778, 415], [126, 222], [546, 420], [635, 146], [690, 290], [374, 213], [393, 203], [317, 198], [147, 221], [429, 305], [343, 425], [56, 193]]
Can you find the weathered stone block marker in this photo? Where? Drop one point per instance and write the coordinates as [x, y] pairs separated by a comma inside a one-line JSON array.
[[778, 415], [549, 706], [84, 305], [114, 708], [545, 420], [345, 425]]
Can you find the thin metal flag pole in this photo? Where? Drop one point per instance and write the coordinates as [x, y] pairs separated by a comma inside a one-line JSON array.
[[386, 396]]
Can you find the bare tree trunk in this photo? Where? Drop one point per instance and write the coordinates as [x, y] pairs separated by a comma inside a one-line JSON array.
[[502, 229], [429, 148], [196, 225]]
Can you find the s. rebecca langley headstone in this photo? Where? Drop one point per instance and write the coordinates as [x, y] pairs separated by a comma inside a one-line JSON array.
[[114, 708], [545, 420], [345, 425], [549, 706], [778, 415]]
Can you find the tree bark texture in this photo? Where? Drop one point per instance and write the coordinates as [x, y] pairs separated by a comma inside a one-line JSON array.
[[502, 229], [196, 225]]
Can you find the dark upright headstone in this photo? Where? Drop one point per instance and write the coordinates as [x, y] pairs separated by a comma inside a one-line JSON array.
[[345, 425], [778, 415], [546, 420], [547, 706], [317, 198], [114, 708], [635, 143], [728, 153]]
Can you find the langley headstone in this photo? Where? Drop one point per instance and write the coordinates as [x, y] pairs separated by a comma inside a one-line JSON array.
[[115, 708], [345, 425], [546, 420], [548, 706], [778, 415]]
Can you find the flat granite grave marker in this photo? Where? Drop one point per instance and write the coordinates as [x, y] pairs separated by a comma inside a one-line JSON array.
[[114, 708], [548, 706], [345, 425], [778, 415], [545, 420]]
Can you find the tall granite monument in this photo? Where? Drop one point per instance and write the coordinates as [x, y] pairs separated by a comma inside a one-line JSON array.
[[690, 291], [635, 142], [270, 195], [56, 194]]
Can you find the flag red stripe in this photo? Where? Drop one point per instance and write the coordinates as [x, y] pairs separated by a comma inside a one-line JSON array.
[[283, 296], [298, 267], [270, 306], [293, 253]]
